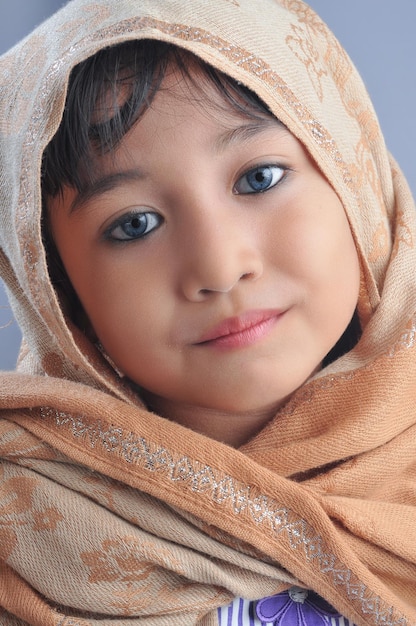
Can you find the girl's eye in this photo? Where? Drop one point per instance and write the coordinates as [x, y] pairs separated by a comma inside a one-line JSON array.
[[133, 226], [259, 179]]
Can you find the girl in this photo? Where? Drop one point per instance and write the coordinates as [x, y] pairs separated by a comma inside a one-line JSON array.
[[211, 256]]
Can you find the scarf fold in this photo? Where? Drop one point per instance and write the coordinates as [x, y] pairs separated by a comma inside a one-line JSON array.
[[110, 514]]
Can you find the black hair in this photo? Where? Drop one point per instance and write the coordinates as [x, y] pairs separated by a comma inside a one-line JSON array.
[[109, 92], [107, 95]]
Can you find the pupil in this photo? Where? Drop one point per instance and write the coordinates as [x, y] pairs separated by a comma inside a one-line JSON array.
[[259, 177], [135, 222]]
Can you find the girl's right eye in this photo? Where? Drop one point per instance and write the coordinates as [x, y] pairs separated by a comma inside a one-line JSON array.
[[133, 226]]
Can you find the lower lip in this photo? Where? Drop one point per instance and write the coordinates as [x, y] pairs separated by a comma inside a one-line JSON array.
[[246, 337]]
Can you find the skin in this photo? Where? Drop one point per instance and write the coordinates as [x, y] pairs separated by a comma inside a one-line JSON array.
[[213, 251]]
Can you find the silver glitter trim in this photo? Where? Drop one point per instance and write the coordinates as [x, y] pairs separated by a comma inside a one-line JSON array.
[[236, 496], [223, 490]]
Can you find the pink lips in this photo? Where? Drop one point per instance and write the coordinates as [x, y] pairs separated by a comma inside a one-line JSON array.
[[241, 331]]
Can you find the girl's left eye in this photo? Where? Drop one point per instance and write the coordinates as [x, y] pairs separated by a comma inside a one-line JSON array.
[[133, 226], [259, 179]]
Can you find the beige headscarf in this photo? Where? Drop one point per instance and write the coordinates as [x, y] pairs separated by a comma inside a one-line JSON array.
[[112, 515]]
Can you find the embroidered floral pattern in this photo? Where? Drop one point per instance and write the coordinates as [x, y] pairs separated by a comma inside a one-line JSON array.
[[239, 499], [15, 502], [296, 606], [305, 15], [302, 46], [138, 569], [47, 519], [117, 562], [224, 489], [403, 234], [17, 509]]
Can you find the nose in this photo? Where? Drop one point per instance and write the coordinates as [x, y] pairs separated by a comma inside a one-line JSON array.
[[217, 256]]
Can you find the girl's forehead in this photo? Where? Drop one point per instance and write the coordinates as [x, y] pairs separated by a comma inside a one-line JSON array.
[[191, 84], [183, 97], [110, 92]]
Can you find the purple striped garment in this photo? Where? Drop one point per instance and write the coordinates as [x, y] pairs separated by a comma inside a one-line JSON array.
[[294, 607]]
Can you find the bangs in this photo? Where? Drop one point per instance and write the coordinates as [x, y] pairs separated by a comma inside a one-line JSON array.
[[109, 92]]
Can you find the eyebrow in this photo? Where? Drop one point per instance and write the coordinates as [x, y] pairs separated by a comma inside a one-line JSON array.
[[246, 132], [102, 185], [109, 182]]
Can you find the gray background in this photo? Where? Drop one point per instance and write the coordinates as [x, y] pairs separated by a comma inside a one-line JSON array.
[[378, 36]]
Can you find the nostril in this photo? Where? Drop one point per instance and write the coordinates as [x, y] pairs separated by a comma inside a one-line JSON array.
[[218, 289]]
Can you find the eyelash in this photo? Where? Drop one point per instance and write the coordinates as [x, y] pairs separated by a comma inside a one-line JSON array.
[[258, 173], [143, 219], [147, 221]]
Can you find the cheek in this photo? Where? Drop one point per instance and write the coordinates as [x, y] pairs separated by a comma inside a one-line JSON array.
[[315, 243], [342, 259], [111, 297], [317, 252], [333, 257], [128, 305], [336, 273]]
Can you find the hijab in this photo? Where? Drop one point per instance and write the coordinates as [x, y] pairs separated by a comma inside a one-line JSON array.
[[111, 514]]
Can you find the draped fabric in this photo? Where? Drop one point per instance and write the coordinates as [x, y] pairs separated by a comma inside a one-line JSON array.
[[110, 514]]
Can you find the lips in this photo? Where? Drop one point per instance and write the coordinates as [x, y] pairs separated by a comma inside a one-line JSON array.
[[243, 330]]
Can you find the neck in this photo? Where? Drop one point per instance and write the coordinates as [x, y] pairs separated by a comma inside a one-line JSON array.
[[234, 429]]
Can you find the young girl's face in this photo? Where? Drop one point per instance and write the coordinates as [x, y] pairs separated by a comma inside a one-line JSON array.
[[214, 261]]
